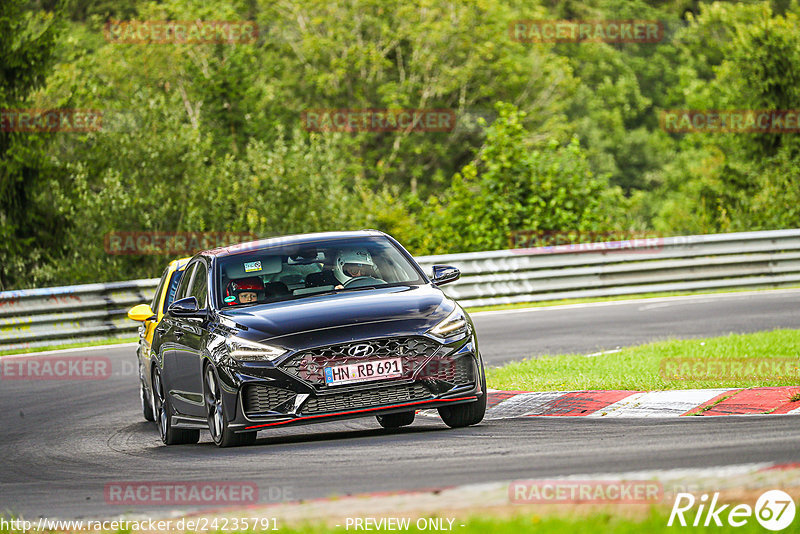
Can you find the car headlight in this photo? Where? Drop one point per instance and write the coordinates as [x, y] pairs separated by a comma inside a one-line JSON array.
[[250, 351], [452, 325]]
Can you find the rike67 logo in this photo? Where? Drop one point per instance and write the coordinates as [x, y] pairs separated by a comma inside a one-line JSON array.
[[774, 510]]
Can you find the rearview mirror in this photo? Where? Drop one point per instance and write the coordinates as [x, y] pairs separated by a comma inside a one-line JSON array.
[[186, 307], [444, 274], [141, 313]]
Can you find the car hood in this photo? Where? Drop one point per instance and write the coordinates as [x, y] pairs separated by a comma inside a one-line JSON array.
[[419, 307]]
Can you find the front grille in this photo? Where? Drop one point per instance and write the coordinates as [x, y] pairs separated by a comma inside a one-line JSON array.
[[309, 365], [457, 371], [355, 400], [261, 399]]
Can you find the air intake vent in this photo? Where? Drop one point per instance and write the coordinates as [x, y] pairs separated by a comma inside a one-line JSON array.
[[355, 400], [262, 399]]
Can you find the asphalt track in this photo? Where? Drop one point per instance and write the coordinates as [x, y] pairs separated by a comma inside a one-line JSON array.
[[63, 441]]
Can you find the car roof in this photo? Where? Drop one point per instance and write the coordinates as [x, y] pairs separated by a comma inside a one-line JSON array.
[[297, 239]]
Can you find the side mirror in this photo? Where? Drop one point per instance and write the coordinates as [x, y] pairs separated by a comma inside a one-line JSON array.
[[186, 307], [141, 313], [444, 274]]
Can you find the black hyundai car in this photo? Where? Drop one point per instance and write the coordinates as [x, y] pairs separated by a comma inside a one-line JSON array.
[[311, 328]]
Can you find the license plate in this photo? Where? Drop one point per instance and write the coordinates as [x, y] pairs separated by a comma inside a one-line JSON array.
[[364, 371]]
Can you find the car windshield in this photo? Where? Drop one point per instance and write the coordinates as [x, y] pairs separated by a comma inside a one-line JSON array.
[[285, 272]]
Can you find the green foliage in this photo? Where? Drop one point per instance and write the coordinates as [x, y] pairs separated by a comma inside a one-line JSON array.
[[515, 184], [621, 86], [421, 55], [208, 137], [744, 57], [27, 227]]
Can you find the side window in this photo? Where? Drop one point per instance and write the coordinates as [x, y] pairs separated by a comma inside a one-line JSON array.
[[183, 288], [200, 285], [172, 289], [159, 291]]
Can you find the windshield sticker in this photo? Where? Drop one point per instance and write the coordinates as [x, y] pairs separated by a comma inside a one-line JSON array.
[[251, 266]]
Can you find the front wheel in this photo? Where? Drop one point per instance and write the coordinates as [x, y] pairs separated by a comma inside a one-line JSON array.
[[146, 400], [396, 420], [462, 415], [169, 434], [221, 433]]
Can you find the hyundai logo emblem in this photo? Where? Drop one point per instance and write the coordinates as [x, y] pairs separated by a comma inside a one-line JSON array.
[[361, 350]]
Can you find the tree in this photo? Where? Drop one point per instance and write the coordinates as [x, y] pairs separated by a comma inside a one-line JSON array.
[[27, 225], [744, 57], [516, 184]]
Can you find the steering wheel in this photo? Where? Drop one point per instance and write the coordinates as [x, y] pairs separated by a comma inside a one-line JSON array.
[[365, 281]]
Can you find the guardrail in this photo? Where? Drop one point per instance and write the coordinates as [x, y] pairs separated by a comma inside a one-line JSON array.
[[50, 316]]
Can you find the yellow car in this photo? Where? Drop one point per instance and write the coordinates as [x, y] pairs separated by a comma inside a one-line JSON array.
[[150, 315]]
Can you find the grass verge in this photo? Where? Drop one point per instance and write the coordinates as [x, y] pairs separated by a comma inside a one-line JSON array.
[[654, 523], [736, 360]]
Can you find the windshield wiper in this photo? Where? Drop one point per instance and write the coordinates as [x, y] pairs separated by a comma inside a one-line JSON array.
[[335, 291], [357, 288]]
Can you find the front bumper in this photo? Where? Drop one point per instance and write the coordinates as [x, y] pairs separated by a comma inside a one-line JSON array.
[[351, 414], [280, 396]]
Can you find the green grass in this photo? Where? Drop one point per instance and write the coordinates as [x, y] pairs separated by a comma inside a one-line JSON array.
[[71, 345], [606, 523], [562, 302], [640, 367], [654, 522]]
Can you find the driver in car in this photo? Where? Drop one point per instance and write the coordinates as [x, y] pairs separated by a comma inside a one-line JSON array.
[[351, 264], [243, 291]]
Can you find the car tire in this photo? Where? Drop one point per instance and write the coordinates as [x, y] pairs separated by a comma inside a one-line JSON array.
[[462, 415], [169, 434], [396, 420], [147, 403], [218, 427]]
